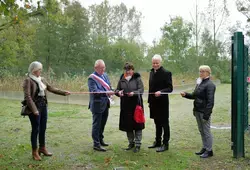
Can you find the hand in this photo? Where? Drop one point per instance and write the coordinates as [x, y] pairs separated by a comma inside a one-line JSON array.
[[120, 93], [131, 94], [67, 93], [183, 94], [157, 94], [110, 93], [111, 97], [206, 118], [36, 113]]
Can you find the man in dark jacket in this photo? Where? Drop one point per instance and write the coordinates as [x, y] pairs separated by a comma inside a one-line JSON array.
[[203, 96], [160, 83]]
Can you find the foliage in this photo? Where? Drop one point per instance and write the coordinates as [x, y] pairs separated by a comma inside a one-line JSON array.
[[67, 38], [180, 54], [243, 6]]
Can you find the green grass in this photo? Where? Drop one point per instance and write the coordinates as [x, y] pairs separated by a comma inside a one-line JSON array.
[[69, 138]]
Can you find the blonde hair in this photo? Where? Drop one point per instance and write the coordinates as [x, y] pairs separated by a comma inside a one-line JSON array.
[[205, 68], [34, 66]]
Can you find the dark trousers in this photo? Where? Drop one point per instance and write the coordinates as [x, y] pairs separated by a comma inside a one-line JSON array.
[[162, 125], [39, 125], [98, 125]]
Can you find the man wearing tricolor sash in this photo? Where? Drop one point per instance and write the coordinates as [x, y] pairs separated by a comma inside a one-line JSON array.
[[100, 92]]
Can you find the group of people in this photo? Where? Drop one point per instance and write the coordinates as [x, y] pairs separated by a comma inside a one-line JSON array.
[[130, 89]]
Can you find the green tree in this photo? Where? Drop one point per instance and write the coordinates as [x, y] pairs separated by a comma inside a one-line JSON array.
[[243, 6], [127, 22], [15, 46], [100, 19], [176, 40]]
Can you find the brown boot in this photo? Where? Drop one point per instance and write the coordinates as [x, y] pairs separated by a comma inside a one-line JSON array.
[[35, 155], [44, 151]]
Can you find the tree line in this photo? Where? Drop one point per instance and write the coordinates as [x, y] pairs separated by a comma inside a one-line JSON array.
[[67, 38]]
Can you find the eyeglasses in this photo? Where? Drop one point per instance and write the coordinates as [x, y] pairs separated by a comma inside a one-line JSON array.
[[202, 71], [101, 68]]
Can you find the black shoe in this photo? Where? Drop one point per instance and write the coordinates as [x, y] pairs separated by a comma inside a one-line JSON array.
[[99, 148], [130, 146], [201, 151], [103, 143], [137, 149], [163, 148], [155, 144], [207, 154]]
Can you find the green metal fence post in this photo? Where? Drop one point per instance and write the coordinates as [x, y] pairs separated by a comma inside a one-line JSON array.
[[245, 116], [238, 92]]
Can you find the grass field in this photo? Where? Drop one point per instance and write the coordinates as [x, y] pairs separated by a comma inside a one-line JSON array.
[[69, 138]]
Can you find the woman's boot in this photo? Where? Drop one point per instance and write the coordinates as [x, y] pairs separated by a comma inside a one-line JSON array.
[[35, 155], [44, 151]]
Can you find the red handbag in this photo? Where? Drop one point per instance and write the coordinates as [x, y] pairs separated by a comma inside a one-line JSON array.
[[139, 113]]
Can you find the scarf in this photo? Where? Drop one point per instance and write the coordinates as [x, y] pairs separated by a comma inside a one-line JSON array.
[[127, 77], [41, 85], [101, 81], [199, 80]]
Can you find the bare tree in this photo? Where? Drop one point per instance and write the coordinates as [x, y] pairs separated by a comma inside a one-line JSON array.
[[218, 14]]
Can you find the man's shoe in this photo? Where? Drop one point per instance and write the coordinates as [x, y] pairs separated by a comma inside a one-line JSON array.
[[103, 143], [155, 144], [201, 151], [130, 146], [137, 149], [99, 148], [163, 148], [207, 154]]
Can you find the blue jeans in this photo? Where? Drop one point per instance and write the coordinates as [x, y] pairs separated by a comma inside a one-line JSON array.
[[39, 125], [98, 125]]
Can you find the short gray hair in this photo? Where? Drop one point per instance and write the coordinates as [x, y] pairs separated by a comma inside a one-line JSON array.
[[99, 61], [34, 66], [205, 68], [157, 57]]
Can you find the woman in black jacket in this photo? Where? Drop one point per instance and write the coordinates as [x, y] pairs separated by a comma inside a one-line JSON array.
[[203, 96], [130, 89]]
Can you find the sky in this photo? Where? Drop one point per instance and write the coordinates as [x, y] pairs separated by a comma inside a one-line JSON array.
[[157, 12]]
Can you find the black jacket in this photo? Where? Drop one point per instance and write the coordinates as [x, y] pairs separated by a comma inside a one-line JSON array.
[[203, 96], [161, 80], [128, 104]]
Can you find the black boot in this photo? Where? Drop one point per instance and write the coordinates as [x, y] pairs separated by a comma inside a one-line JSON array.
[[130, 146], [103, 143], [137, 149], [155, 144], [99, 148], [163, 148], [201, 151], [207, 154]]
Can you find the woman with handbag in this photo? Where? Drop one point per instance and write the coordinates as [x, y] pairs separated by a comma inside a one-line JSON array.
[[35, 88], [130, 89]]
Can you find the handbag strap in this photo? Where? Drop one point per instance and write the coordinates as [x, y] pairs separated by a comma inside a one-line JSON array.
[[139, 99]]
